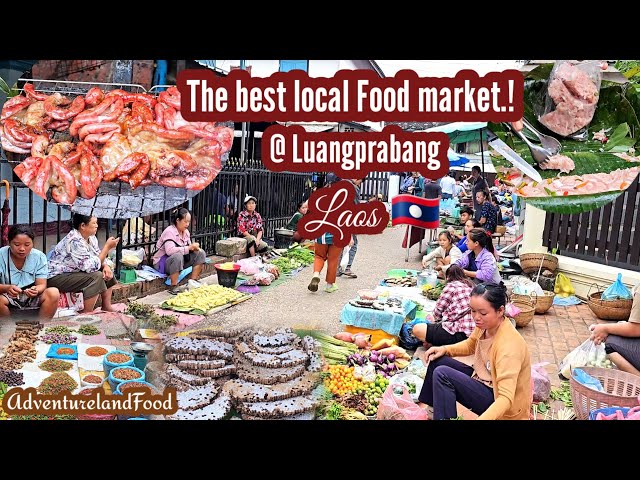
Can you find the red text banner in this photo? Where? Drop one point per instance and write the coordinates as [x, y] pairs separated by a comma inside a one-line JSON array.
[[355, 154], [333, 210], [351, 95]]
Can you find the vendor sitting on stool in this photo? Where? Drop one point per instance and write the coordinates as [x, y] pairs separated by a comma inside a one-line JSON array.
[[250, 227]]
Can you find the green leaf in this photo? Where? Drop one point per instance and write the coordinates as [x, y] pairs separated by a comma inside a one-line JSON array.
[[613, 109], [181, 309], [617, 137], [573, 203], [4, 87], [197, 311], [165, 305], [632, 73]]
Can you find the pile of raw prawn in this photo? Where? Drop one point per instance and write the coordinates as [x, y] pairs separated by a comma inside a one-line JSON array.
[[132, 137]]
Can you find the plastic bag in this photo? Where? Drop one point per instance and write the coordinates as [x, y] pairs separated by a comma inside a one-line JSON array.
[[344, 261], [409, 380], [417, 367], [572, 95], [132, 258], [563, 287], [250, 266], [399, 406], [541, 382], [511, 310], [588, 354], [617, 290], [408, 340], [587, 380], [264, 278]]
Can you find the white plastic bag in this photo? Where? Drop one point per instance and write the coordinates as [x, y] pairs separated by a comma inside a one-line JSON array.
[[411, 381], [588, 354], [417, 368], [344, 261]]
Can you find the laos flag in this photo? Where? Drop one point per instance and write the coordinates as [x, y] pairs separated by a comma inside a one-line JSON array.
[[416, 211]]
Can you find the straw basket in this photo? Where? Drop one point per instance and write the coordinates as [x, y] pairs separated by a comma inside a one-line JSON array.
[[621, 390], [609, 309], [530, 262], [544, 301], [527, 309]]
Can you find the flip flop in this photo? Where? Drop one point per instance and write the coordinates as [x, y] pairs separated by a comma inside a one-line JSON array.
[[313, 286], [350, 274]]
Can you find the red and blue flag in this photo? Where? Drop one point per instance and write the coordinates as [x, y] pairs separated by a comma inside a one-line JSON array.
[[416, 211]]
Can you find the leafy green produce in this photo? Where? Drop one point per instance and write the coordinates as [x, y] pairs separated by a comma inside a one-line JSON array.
[[302, 255]]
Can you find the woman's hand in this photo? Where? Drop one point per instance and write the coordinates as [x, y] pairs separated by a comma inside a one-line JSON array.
[[598, 333], [112, 243], [107, 273], [194, 247], [434, 353], [31, 292], [13, 291], [438, 267]]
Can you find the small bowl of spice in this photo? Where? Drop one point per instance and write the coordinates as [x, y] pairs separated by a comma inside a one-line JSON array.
[[116, 358], [91, 380], [121, 374]]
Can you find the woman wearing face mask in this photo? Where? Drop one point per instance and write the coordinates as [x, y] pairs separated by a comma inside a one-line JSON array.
[[23, 273], [446, 254], [478, 262], [497, 384]]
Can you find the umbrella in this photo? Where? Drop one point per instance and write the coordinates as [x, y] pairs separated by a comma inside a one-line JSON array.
[[5, 215]]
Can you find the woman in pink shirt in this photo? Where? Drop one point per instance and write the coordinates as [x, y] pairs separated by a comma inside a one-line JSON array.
[[175, 251]]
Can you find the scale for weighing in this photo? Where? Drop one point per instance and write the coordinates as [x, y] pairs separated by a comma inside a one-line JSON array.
[[140, 351]]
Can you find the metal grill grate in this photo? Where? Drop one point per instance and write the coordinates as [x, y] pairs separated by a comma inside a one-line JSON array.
[[114, 200]]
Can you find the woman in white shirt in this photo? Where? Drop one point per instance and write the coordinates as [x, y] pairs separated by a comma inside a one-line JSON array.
[[446, 254]]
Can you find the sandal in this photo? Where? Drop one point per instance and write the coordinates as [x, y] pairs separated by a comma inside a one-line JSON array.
[[313, 286], [349, 274]]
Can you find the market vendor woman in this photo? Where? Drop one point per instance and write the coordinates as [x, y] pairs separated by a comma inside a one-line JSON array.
[[250, 227], [303, 208], [78, 264], [23, 273], [175, 252], [495, 383]]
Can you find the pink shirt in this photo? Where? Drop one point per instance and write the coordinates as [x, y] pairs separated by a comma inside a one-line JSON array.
[[168, 247]]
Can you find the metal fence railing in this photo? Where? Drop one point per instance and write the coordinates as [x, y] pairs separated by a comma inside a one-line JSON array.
[[214, 210]]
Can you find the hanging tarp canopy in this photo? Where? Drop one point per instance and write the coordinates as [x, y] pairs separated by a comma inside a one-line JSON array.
[[456, 160], [462, 132]]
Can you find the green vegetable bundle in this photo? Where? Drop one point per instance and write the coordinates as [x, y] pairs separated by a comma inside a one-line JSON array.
[[302, 255], [334, 351]]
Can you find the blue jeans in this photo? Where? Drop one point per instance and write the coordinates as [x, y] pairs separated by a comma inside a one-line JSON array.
[[449, 381]]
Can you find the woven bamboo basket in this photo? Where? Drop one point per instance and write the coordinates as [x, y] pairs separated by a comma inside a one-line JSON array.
[[530, 262], [544, 302], [527, 311], [621, 390], [609, 309]]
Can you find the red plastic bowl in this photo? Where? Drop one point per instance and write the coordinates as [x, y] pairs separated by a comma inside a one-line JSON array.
[[218, 266]]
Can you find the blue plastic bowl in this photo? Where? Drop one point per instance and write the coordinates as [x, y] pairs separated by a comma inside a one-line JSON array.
[[115, 382], [107, 366]]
